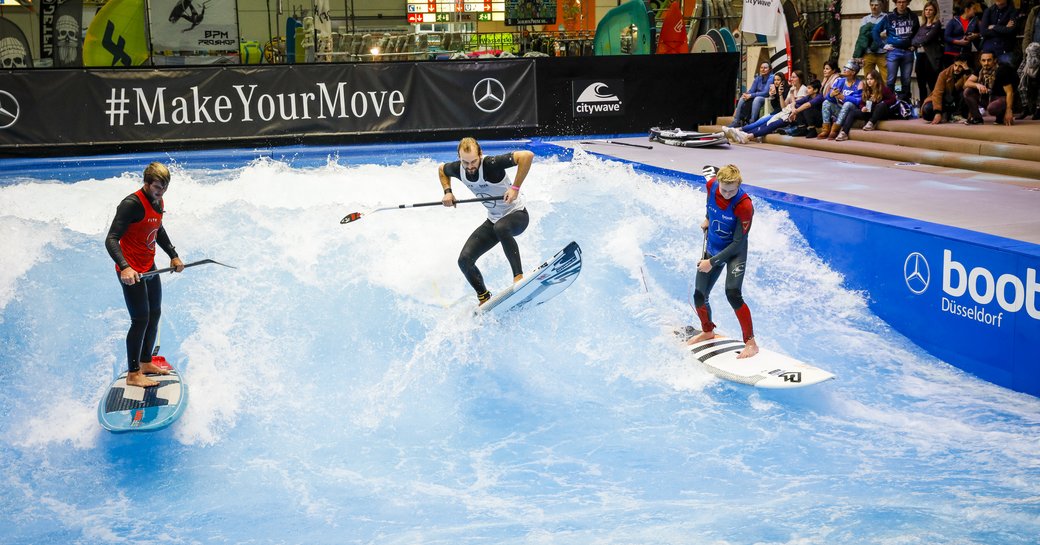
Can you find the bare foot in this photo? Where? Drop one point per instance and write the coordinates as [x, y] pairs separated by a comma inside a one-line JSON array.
[[148, 367], [702, 336], [750, 349], [137, 378]]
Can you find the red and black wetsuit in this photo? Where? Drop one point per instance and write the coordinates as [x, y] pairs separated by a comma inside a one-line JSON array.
[[132, 237], [729, 222]]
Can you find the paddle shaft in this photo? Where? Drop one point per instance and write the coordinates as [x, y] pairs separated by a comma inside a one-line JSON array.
[[192, 264], [615, 142], [354, 216]]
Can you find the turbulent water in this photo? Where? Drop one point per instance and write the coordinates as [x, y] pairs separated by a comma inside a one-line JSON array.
[[341, 392]]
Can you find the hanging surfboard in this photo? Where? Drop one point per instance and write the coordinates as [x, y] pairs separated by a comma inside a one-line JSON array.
[[798, 42], [540, 285], [703, 44], [125, 408], [673, 32], [716, 38], [689, 7], [767, 369], [731, 42], [624, 30]]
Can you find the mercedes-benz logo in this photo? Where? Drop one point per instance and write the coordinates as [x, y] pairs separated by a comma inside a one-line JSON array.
[[916, 273], [9, 109], [489, 95]]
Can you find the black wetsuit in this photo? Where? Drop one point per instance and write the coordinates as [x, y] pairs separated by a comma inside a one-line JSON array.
[[144, 298], [490, 233]]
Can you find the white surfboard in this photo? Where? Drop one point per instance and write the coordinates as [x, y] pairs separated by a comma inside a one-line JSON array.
[[540, 285], [767, 369]]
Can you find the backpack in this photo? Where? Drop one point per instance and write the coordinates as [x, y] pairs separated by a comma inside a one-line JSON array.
[[903, 110]]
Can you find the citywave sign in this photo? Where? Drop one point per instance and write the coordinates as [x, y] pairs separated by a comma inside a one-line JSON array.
[[186, 104]]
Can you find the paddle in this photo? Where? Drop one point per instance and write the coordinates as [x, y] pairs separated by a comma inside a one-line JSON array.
[[615, 142], [354, 216], [192, 264]]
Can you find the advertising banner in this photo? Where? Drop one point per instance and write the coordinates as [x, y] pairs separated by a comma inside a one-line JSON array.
[[193, 25], [191, 104], [14, 48]]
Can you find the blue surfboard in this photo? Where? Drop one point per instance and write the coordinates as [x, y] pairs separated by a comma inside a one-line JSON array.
[[540, 285], [126, 408]]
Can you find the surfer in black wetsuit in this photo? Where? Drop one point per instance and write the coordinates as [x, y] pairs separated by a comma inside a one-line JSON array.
[[135, 231], [487, 177]]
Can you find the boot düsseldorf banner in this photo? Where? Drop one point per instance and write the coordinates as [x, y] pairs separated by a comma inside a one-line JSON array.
[[41, 108]]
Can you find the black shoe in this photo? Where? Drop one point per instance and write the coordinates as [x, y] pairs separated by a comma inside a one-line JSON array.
[[811, 133], [483, 297], [798, 131], [1036, 115]]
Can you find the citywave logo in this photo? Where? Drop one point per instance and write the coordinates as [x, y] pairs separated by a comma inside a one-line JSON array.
[[597, 97], [960, 281]]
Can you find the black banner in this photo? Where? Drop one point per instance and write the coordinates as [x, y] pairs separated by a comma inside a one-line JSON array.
[[44, 108]]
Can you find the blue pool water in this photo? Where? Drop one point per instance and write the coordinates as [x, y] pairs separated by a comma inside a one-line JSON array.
[[341, 393]]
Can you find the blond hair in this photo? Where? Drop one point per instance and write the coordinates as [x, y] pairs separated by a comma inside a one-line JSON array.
[[156, 172], [469, 144], [728, 174]]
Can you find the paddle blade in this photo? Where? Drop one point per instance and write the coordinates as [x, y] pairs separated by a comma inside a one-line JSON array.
[[353, 216]]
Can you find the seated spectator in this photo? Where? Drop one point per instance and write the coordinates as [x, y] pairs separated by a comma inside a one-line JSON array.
[[842, 98], [999, 29], [877, 100], [947, 96], [777, 95], [781, 118], [993, 85], [1029, 81], [807, 114], [928, 43], [751, 102], [962, 33]]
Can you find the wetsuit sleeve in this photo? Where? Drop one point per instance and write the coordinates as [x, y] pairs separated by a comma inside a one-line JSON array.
[[129, 211], [495, 166], [453, 169], [163, 240], [744, 212]]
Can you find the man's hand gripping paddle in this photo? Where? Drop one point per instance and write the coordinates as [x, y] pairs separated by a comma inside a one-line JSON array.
[[354, 216]]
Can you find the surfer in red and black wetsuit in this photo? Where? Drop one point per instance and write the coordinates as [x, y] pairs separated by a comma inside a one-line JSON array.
[[136, 229], [726, 225]]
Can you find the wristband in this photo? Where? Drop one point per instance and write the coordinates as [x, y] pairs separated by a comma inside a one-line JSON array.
[[447, 190], [515, 188]]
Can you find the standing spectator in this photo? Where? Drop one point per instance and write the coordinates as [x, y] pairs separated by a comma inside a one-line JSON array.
[[867, 48], [843, 97], [962, 33], [899, 28], [751, 102], [1029, 81], [947, 97], [928, 43], [999, 30], [993, 85]]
